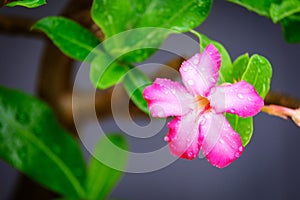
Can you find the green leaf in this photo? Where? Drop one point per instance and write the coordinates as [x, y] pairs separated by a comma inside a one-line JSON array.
[[32, 141], [285, 9], [258, 73], [71, 38], [261, 7], [238, 68], [116, 16], [102, 178], [105, 72], [135, 82], [27, 3], [226, 64], [174, 16], [291, 28], [286, 12], [243, 126]]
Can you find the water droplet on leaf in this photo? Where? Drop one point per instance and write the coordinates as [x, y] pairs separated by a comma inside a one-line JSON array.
[[23, 118]]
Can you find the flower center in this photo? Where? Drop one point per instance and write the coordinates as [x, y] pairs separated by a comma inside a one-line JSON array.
[[203, 104]]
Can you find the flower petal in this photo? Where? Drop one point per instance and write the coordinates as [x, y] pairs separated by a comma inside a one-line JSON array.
[[221, 144], [201, 72], [240, 98], [167, 98], [183, 136]]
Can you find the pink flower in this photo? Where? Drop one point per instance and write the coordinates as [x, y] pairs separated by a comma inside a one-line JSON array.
[[199, 107]]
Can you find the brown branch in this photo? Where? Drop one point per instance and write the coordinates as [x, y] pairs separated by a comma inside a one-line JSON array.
[[16, 25], [4, 2], [278, 98]]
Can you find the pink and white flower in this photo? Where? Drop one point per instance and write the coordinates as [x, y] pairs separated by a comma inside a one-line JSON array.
[[198, 108]]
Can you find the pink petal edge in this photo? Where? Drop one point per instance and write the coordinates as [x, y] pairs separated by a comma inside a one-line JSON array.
[[167, 98], [201, 72], [221, 144], [183, 136], [240, 98]]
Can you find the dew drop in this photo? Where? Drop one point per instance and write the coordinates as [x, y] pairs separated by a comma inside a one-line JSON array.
[[245, 108], [241, 148], [56, 149], [190, 82], [237, 154], [240, 96], [23, 118], [221, 141], [212, 79], [160, 113], [195, 61], [249, 99], [166, 92], [167, 139], [185, 69], [203, 121], [232, 111], [192, 23], [190, 154]]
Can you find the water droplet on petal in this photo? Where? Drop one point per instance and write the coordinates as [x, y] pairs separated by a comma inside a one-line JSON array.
[[166, 92], [221, 141], [185, 69], [245, 108], [241, 148], [190, 82], [195, 61], [237, 154], [240, 96], [203, 121], [249, 99], [212, 79], [167, 139], [232, 111]]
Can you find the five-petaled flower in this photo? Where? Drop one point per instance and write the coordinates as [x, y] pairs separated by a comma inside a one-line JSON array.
[[198, 109]]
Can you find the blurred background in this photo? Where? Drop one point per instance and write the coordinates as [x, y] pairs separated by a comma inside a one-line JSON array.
[[268, 168]]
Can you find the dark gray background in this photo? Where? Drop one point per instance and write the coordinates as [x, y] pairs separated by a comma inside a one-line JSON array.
[[268, 168]]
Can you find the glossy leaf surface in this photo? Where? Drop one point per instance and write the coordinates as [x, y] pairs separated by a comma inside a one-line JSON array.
[[27, 3], [71, 38], [32, 141], [102, 178], [135, 82]]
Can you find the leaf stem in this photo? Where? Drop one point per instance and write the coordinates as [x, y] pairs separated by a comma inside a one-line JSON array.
[[199, 37]]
